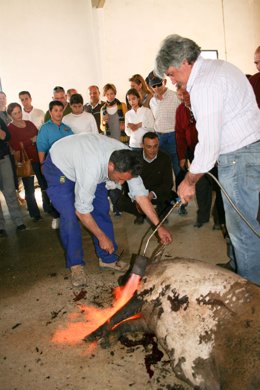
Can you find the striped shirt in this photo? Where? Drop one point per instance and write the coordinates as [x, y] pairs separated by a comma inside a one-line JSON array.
[[225, 109], [164, 111]]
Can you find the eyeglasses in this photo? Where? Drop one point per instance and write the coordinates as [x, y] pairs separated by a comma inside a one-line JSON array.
[[157, 85]]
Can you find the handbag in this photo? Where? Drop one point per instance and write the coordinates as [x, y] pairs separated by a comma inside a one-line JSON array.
[[124, 138], [23, 164]]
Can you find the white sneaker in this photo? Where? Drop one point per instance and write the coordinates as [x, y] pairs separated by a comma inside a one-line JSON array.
[[78, 276], [119, 266], [55, 224]]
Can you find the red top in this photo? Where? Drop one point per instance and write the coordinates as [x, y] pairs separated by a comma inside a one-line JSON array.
[[24, 135], [186, 132], [255, 82]]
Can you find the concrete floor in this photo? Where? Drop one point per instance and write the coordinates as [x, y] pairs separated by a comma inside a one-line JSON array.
[[37, 298]]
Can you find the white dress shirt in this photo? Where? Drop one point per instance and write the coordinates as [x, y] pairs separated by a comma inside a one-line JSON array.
[[225, 109], [81, 123], [143, 115]]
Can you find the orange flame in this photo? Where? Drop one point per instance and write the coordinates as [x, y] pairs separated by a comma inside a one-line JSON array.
[[138, 315], [93, 318]]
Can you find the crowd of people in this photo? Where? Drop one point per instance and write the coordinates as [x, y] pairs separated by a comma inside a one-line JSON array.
[[139, 153]]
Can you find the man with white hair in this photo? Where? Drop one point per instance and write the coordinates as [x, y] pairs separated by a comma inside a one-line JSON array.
[[228, 124]]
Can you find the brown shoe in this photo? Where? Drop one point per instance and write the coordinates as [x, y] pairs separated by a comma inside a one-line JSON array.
[[119, 266], [78, 276]]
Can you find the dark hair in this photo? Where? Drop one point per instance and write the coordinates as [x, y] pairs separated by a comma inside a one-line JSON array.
[[11, 107], [55, 103], [151, 135], [25, 93], [76, 98], [58, 89], [133, 91], [126, 160]]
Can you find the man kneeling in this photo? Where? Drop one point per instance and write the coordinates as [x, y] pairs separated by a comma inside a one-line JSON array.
[[157, 177]]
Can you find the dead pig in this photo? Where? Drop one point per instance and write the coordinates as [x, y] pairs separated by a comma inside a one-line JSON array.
[[206, 318]]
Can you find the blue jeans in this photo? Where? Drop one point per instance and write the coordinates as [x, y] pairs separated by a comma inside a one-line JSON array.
[[239, 173], [168, 145], [62, 195]]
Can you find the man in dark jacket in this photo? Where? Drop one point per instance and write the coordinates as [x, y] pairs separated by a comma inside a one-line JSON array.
[[157, 177]]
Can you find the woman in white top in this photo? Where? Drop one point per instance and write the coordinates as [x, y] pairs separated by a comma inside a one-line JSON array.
[[138, 121]]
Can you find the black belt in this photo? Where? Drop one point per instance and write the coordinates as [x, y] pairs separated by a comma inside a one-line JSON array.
[[3, 156]]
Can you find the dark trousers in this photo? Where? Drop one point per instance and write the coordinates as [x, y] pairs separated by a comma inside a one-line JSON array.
[[114, 195], [124, 203], [46, 203], [204, 188], [28, 183]]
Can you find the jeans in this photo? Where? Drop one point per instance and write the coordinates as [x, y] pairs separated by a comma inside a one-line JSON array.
[[168, 145], [239, 173], [7, 187], [62, 195]]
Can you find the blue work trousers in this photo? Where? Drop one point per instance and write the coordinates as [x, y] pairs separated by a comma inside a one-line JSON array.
[[239, 173], [62, 195]]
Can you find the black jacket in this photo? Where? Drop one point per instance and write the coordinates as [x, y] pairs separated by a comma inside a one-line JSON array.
[[4, 147]]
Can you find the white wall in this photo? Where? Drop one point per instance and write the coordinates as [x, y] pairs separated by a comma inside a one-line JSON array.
[[66, 42], [48, 43], [134, 30]]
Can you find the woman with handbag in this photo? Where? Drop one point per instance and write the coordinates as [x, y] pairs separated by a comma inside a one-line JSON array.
[[7, 186], [23, 142]]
